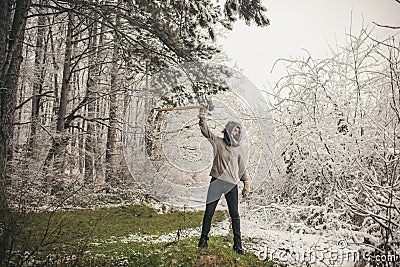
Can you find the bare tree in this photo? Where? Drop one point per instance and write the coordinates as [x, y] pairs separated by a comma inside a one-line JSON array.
[[14, 15], [338, 122], [112, 150], [59, 141], [40, 61]]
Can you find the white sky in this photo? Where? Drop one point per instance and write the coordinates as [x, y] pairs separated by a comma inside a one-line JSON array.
[[308, 24]]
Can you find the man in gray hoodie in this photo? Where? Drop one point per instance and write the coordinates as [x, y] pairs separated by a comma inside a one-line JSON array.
[[227, 170]]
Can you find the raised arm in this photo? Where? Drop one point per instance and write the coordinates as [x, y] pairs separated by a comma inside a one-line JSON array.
[[203, 124], [205, 130]]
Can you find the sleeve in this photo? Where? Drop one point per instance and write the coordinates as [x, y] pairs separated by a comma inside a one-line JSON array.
[[242, 170], [205, 130]]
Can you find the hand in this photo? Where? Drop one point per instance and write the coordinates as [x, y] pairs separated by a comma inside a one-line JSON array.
[[203, 111], [246, 189]]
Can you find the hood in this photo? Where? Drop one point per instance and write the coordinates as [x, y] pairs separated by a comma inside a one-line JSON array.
[[228, 138]]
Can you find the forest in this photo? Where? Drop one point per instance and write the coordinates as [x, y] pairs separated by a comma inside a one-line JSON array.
[[70, 72]]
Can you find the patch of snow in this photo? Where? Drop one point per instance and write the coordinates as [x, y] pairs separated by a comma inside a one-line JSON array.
[[221, 228], [298, 249]]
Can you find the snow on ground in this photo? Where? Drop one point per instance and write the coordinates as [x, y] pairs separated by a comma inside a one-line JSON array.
[[295, 248], [288, 247]]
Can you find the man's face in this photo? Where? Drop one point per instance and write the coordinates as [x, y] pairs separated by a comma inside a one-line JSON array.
[[236, 133]]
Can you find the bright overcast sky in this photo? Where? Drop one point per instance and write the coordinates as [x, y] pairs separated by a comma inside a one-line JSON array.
[[308, 24]]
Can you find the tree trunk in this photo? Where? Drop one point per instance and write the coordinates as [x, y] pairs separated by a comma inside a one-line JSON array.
[[11, 43], [92, 104], [38, 79], [65, 86], [55, 71], [60, 141], [112, 151]]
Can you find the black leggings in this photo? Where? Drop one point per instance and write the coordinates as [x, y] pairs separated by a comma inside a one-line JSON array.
[[215, 190]]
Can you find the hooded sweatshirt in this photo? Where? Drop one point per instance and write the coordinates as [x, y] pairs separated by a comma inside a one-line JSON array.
[[229, 157]]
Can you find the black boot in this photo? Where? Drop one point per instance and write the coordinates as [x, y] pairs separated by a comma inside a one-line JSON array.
[[237, 246], [203, 242]]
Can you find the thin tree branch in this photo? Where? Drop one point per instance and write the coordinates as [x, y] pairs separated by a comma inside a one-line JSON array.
[[387, 26], [30, 98]]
